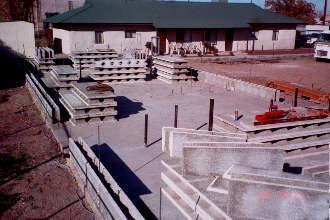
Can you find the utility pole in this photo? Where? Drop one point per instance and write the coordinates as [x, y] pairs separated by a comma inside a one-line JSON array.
[[325, 11]]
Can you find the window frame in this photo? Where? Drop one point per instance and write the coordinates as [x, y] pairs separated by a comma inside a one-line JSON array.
[[99, 37], [275, 35]]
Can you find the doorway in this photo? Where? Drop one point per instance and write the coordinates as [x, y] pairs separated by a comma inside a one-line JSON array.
[[229, 40], [57, 45], [162, 44]]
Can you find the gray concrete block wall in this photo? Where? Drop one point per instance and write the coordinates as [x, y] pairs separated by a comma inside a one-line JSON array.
[[215, 160]]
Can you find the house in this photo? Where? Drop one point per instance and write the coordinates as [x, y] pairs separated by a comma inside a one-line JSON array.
[[192, 27]]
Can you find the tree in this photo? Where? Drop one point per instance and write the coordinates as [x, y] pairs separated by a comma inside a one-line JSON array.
[[299, 9], [19, 10]]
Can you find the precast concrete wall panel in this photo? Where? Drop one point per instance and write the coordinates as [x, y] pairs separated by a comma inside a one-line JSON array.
[[266, 194], [177, 139], [216, 159]]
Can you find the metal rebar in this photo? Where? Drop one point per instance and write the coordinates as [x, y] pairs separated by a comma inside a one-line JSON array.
[[146, 130], [176, 116], [295, 101], [211, 114]]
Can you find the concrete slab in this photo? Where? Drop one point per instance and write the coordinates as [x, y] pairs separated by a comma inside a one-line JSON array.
[[124, 139]]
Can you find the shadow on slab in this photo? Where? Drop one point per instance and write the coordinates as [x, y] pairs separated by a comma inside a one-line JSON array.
[[125, 177], [127, 107]]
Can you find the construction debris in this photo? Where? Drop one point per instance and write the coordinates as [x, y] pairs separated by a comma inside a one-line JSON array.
[[302, 91]]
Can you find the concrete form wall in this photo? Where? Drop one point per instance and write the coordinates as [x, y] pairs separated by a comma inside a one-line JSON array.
[[19, 36]]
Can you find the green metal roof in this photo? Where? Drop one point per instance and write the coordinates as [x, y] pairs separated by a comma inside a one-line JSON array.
[[165, 14]]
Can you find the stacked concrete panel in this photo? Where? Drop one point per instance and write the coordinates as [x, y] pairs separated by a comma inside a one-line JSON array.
[[60, 77], [44, 58], [119, 71], [86, 59], [305, 143], [89, 102], [225, 177], [172, 70]]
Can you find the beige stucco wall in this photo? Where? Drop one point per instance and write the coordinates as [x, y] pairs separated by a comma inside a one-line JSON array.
[[114, 39], [19, 36], [65, 37], [286, 40]]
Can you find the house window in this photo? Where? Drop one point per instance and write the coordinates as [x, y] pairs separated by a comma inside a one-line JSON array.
[[70, 4], [275, 35], [99, 37], [130, 34]]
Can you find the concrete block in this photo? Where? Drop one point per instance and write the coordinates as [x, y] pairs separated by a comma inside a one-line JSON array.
[[207, 159], [176, 140], [265, 194]]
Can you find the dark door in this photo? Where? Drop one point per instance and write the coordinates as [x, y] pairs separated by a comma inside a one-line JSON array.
[[229, 40], [57, 45], [162, 41]]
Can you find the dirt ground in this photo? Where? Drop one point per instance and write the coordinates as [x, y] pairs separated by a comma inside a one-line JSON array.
[[35, 182], [305, 72]]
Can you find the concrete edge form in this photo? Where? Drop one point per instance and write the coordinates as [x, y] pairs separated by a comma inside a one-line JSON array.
[[106, 205], [113, 184], [220, 212]]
